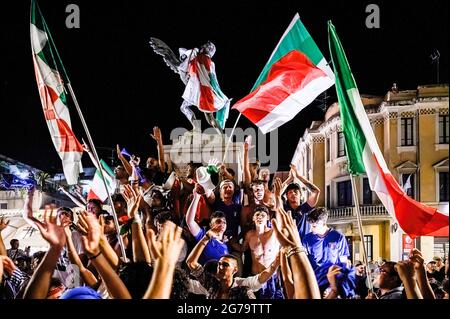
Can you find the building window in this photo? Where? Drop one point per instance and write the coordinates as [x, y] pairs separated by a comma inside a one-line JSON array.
[[368, 244], [328, 148], [328, 196], [3, 205], [407, 132], [349, 240], [367, 192], [408, 184], [443, 186], [308, 164], [443, 129], [344, 190], [341, 144]]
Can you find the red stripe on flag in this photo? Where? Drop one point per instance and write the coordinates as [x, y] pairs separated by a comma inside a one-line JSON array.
[[69, 142], [92, 195], [287, 76], [206, 99], [416, 219]]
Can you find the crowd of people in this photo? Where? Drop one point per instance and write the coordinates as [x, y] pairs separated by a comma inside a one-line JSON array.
[[201, 235]]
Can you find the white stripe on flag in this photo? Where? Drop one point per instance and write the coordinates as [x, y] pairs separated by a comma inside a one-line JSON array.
[[293, 104]]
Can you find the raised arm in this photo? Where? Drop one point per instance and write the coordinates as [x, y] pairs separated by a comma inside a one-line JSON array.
[[140, 249], [190, 215], [126, 165], [158, 138], [406, 271], [313, 189], [106, 249], [167, 252], [269, 271], [305, 283], [39, 283], [247, 174], [192, 260], [27, 213], [91, 243], [287, 275], [87, 276], [421, 274]]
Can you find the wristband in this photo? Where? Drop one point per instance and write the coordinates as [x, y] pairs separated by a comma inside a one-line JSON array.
[[93, 257], [137, 219], [296, 250]]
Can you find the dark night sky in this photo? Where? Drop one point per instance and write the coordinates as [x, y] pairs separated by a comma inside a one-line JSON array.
[[124, 89]]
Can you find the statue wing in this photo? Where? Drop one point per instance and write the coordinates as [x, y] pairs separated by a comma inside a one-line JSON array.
[[163, 49]]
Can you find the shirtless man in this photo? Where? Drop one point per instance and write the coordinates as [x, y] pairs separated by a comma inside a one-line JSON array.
[[264, 248], [258, 191]]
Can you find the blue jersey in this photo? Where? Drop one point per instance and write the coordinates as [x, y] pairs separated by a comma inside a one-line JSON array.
[[213, 250], [330, 248], [300, 214], [232, 215]]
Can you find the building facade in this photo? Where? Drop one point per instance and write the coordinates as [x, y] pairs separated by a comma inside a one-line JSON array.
[[412, 130]]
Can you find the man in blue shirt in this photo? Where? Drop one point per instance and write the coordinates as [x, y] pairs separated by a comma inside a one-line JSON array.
[[293, 197], [325, 246], [216, 247]]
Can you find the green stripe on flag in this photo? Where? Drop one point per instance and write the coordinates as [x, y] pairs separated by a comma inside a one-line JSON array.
[[345, 84], [297, 38], [107, 168]]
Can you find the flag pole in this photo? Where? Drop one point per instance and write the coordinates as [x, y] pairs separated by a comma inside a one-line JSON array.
[[231, 136], [361, 233], [94, 152]]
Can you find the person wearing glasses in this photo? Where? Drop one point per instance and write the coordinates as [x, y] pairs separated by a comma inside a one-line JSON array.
[[223, 284]]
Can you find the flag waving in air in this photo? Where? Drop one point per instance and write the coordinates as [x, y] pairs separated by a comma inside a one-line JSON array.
[[294, 76], [53, 97], [364, 155]]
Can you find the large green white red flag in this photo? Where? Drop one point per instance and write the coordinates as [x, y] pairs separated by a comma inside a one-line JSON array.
[[364, 154], [53, 97], [294, 76]]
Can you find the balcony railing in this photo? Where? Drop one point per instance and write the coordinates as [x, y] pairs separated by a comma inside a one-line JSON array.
[[366, 211]]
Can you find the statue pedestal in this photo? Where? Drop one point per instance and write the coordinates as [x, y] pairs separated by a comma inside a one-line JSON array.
[[197, 147]]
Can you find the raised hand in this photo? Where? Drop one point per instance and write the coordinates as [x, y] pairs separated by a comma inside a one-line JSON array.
[[91, 241], [198, 189], [277, 187], [405, 269], [50, 230], [134, 161], [156, 134], [286, 230], [417, 259], [3, 223], [169, 244], [248, 143], [119, 152], [133, 199]]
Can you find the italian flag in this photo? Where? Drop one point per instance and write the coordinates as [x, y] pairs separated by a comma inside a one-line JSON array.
[[202, 89], [98, 190], [294, 76], [53, 97], [364, 155]]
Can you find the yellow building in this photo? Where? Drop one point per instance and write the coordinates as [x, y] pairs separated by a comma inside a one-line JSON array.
[[412, 130]]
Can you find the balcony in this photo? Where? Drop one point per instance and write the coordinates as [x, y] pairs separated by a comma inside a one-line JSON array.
[[348, 214]]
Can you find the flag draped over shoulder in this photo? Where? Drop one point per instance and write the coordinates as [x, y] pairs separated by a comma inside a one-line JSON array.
[[53, 97], [294, 76], [364, 154], [98, 190]]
